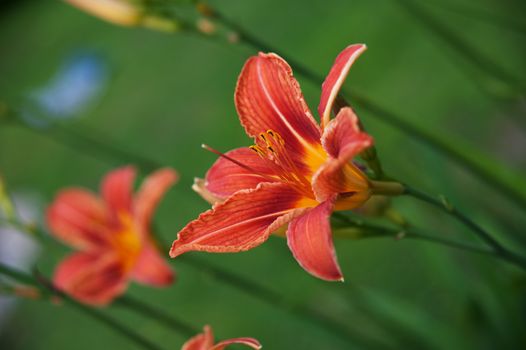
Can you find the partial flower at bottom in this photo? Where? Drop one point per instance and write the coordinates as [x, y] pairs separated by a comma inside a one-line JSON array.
[[112, 235], [297, 172], [205, 341]]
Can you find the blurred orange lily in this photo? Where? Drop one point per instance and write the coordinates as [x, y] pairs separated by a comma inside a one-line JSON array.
[[205, 341], [112, 235], [297, 172]]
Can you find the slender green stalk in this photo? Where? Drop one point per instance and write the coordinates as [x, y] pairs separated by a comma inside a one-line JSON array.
[[497, 248], [99, 147], [116, 326], [46, 288], [158, 315], [502, 22], [462, 47], [368, 230], [258, 291], [18, 276]]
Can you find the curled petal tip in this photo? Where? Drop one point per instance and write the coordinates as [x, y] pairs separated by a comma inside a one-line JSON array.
[[335, 79]]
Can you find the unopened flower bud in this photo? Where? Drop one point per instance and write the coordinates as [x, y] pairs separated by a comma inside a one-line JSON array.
[[121, 12]]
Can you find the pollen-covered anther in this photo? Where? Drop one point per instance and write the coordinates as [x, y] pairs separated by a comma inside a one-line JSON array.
[[276, 137], [258, 150]]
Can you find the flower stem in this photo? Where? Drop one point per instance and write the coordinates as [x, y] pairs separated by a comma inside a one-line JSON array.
[[258, 291], [158, 315], [368, 230], [46, 288], [497, 248], [462, 47]]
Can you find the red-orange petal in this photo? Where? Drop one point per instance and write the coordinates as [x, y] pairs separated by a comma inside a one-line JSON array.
[[150, 193], [225, 177], [242, 222], [268, 97], [309, 237], [117, 190], [250, 342], [202, 341], [151, 268], [78, 218], [342, 140], [91, 278], [335, 79]]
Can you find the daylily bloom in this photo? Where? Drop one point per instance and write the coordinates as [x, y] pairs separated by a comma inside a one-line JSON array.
[[297, 173], [205, 341], [112, 235]]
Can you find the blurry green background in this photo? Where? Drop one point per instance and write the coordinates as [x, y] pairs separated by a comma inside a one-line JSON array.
[[168, 93]]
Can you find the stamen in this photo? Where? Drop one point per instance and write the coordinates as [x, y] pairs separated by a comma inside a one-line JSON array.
[[258, 150], [252, 170], [270, 146]]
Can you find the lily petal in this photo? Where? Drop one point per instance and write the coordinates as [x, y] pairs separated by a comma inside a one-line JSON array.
[[151, 268], [342, 140], [309, 238], [78, 218], [202, 341], [250, 342], [268, 97], [199, 186], [335, 79], [242, 222], [91, 278], [225, 177], [151, 192], [116, 189]]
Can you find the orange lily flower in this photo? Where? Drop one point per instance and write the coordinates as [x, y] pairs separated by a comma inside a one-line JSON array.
[[112, 235], [205, 341], [297, 172]]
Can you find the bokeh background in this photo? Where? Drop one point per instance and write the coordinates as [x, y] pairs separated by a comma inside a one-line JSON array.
[[161, 95]]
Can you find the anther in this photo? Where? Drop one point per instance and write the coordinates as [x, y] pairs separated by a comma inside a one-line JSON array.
[[257, 150]]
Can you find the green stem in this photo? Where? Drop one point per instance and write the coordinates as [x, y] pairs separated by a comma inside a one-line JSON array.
[[158, 315], [269, 296], [459, 45], [499, 21], [368, 230], [45, 287], [497, 248], [116, 326]]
